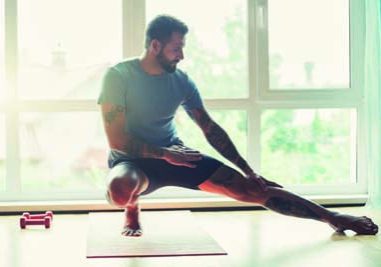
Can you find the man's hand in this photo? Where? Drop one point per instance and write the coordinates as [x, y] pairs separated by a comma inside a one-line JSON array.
[[261, 181], [181, 155]]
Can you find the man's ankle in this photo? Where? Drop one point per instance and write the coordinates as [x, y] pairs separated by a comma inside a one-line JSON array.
[[133, 208]]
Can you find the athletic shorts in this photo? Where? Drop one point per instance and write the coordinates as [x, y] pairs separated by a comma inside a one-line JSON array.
[[160, 173]]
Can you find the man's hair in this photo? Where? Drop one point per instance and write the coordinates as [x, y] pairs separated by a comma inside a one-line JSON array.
[[162, 27]]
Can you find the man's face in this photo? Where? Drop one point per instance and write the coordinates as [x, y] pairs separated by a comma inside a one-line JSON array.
[[171, 53]]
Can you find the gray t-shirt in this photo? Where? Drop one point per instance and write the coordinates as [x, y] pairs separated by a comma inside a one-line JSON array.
[[150, 100]]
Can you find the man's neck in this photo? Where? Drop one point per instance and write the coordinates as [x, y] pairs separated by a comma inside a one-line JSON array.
[[150, 65]]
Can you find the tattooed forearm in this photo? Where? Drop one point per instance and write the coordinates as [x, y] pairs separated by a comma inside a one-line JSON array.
[[242, 164], [113, 113], [290, 207], [219, 139]]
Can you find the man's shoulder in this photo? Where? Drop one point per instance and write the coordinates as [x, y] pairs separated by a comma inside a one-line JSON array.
[[180, 73], [124, 66], [185, 79], [182, 76]]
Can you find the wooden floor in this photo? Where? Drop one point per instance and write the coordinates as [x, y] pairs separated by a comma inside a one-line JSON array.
[[251, 238]]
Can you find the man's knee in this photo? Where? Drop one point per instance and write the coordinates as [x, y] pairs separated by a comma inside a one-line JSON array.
[[248, 190], [230, 182], [254, 193], [124, 182], [118, 191]]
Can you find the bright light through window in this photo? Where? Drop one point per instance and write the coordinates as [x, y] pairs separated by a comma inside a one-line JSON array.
[[62, 152], [309, 146], [309, 49], [2, 152], [64, 46], [2, 57]]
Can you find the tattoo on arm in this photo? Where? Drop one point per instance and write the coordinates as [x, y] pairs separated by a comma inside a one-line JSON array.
[[133, 147], [113, 113], [291, 208], [219, 139]]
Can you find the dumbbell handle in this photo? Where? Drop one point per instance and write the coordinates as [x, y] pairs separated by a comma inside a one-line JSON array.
[[38, 216], [25, 221]]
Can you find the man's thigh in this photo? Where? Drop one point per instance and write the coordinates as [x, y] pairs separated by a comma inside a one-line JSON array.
[[161, 173], [229, 182]]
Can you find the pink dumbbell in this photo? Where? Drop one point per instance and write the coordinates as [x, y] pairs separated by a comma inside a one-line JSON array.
[[38, 216], [25, 221]]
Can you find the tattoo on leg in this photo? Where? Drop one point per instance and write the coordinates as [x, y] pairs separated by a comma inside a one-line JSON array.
[[291, 208], [224, 178]]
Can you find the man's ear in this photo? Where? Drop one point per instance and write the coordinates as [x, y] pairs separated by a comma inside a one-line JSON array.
[[156, 46]]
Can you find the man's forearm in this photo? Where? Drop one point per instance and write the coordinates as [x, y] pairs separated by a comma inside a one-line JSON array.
[[220, 140]]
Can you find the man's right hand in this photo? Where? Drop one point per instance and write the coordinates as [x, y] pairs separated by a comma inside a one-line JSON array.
[[181, 156]]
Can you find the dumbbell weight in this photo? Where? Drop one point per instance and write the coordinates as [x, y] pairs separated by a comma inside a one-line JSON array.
[[25, 221], [38, 216]]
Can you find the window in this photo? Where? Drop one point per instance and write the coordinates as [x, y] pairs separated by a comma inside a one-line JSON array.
[[2, 153], [55, 140], [2, 48], [309, 146], [2, 96], [64, 46], [62, 151], [282, 79], [308, 44]]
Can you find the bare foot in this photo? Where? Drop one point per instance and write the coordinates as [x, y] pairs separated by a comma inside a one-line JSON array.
[[131, 225], [361, 225]]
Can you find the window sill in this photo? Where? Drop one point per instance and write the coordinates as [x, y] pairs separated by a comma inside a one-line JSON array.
[[175, 203]]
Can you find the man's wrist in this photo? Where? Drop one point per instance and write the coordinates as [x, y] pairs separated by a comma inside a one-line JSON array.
[[242, 164], [163, 153]]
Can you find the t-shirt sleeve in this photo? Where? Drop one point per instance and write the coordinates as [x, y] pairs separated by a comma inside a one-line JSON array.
[[112, 88], [193, 98]]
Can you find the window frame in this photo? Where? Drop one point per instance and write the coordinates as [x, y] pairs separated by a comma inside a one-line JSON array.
[[260, 97], [352, 97]]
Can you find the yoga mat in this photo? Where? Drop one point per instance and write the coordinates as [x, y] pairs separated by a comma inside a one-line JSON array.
[[165, 233]]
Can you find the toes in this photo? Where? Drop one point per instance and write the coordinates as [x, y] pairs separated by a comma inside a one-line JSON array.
[[130, 232], [126, 233], [136, 233]]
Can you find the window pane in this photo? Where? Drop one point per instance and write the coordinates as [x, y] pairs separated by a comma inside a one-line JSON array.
[[62, 152], [64, 46], [309, 49], [233, 121], [2, 56], [309, 146], [3, 152], [216, 49]]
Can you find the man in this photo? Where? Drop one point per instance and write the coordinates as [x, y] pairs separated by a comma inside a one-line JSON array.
[[139, 99]]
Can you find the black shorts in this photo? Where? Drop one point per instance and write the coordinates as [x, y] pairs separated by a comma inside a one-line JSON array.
[[160, 173]]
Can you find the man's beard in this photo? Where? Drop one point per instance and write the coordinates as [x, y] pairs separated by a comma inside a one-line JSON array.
[[167, 65]]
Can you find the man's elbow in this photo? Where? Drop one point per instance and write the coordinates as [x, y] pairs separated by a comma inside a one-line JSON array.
[[119, 146]]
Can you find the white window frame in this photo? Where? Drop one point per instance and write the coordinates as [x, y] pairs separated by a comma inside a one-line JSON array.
[[260, 97], [351, 97]]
